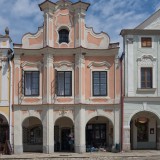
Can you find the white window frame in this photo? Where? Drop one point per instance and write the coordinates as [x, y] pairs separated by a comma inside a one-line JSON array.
[[33, 66], [64, 66], [146, 36], [147, 61], [107, 73], [94, 66]]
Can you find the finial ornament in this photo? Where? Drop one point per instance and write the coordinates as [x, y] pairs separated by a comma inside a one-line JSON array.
[[7, 31]]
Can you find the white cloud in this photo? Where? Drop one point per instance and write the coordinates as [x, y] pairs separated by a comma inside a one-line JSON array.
[[109, 16]]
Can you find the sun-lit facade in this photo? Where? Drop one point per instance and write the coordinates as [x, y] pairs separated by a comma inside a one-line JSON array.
[[66, 84], [5, 89], [141, 127]]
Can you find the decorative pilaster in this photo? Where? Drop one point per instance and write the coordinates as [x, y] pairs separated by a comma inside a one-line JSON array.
[[47, 78], [80, 78], [79, 27], [17, 79], [48, 28], [130, 68]]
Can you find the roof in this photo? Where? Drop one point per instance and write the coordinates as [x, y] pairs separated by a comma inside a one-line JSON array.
[[139, 32], [149, 20], [49, 4]]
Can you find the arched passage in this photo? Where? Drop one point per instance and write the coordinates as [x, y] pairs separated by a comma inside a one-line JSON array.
[[32, 135], [99, 133], [64, 135], [143, 130], [4, 131]]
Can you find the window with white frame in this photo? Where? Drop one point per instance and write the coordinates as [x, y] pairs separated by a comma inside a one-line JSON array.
[[146, 77], [146, 42], [99, 80], [31, 83], [64, 83], [147, 72], [63, 36]]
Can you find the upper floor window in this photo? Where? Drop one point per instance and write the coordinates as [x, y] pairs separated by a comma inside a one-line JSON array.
[[63, 36], [146, 77], [31, 83], [64, 86], [146, 42], [99, 83]]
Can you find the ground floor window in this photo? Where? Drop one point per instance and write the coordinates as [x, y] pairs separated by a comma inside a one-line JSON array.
[[32, 135]]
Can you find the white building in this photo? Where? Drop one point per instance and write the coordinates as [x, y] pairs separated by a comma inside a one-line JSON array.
[[141, 125]]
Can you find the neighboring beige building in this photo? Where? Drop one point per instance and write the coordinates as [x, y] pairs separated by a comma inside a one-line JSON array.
[[5, 90], [66, 84], [141, 126]]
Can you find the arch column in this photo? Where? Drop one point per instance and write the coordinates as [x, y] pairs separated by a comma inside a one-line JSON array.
[[18, 146], [48, 131], [79, 130], [126, 138]]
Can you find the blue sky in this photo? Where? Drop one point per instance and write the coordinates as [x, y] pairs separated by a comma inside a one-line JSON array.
[[110, 16]]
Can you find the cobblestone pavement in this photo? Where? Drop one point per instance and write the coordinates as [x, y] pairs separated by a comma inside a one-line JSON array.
[[95, 158], [132, 155]]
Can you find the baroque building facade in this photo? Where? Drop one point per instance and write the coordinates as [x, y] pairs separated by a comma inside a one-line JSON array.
[[141, 124], [5, 89], [66, 84]]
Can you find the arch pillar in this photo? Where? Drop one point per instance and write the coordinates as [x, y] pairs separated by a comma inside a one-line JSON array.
[[18, 146], [79, 130], [48, 131], [126, 138]]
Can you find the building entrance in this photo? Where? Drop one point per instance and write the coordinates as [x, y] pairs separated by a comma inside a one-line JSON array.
[[4, 131]]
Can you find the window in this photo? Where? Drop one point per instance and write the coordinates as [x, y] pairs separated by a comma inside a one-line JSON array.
[[99, 83], [146, 77], [64, 80], [63, 36], [146, 42], [31, 83]]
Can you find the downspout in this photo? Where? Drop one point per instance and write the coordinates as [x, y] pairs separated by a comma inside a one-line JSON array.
[[122, 93], [10, 105]]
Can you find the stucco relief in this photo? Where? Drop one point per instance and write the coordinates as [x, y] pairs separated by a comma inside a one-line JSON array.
[[63, 112], [30, 113], [63, 65], [99, 64], [146, 60], [98, 112], [32, 64]]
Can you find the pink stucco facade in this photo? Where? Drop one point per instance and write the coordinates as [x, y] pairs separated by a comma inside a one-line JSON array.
[[85, 52]]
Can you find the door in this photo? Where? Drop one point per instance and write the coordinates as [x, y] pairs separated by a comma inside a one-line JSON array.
[[65, 139]]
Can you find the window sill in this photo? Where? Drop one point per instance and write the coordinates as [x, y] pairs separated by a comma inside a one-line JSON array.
[[99, 97], [39, 97], [146, 89]]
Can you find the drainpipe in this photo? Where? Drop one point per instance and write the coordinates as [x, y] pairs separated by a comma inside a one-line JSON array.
[[122, 98], [10, 105]]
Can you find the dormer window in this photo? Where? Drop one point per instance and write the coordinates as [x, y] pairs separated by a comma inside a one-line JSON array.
[[63, 36]]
